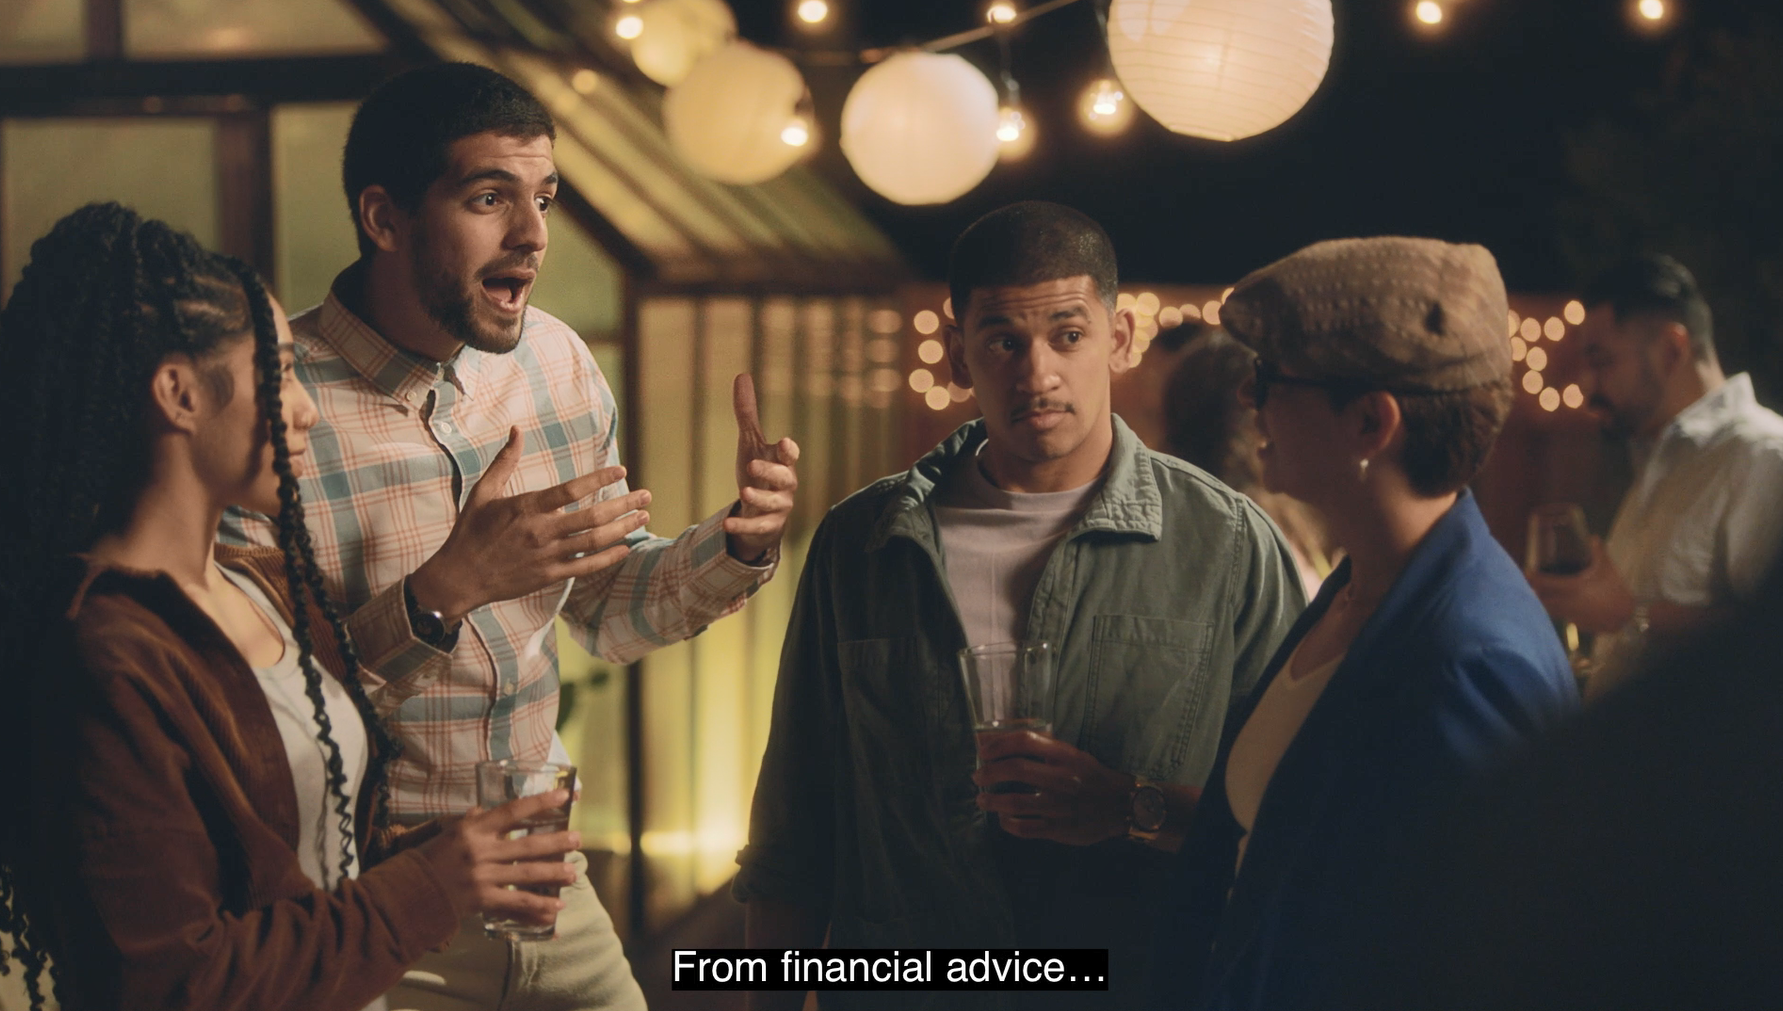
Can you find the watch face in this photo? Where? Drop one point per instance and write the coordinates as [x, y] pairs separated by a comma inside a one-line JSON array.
[[1148, 809]]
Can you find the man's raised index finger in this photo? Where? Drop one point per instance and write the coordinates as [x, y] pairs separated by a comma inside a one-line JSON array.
[[748, 416]]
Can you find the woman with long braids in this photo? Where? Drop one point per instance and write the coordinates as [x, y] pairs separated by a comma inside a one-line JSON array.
[[195, 763]]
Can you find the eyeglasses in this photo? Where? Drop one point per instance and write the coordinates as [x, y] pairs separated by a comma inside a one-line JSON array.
[[1267, 375]]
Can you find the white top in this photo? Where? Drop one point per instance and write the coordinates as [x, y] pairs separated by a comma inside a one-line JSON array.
[[1700, 525], [996, 545], [1263, 741], [318, 823]]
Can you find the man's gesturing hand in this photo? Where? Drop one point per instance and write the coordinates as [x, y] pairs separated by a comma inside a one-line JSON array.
[[766, 481], [1081, 801], [477, 863], [502, 548]]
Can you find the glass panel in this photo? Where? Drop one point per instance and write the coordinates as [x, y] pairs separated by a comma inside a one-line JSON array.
[[724, 773], [591, 720], [53, 166], [311, 224], [237, 28], [666, 347], [579, 283], [43, 31]]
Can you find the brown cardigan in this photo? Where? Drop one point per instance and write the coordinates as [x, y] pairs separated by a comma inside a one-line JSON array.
[[164, 822]]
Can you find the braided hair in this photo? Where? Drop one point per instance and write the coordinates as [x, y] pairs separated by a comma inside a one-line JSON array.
[[105, 298]]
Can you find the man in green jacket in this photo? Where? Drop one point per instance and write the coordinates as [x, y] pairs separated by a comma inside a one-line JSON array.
[[1163, 592]]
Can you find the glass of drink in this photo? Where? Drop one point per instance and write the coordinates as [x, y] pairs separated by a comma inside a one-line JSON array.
[[510, 779], [1560, 545], [1010, 686]]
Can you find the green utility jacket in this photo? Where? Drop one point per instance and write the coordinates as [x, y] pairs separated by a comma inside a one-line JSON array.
[[1164, 602]]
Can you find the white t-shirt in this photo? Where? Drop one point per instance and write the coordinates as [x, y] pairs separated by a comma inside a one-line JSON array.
[[318, 822], [1266, 735], [996, 545]]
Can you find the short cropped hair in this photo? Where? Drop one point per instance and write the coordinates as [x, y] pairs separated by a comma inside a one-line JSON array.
[[1652, 282], [400, 134], [1448, 436], [1030, 243]]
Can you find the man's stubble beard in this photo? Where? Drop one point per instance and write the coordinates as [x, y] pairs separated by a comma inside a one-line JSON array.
[[451, 307]]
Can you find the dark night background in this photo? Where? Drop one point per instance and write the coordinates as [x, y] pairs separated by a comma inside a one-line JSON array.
[[1458, 134]]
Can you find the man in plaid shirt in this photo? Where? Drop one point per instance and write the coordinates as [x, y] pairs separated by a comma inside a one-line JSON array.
[[463, 490]]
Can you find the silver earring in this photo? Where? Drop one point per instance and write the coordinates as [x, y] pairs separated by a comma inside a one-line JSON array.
[[1362, 471]]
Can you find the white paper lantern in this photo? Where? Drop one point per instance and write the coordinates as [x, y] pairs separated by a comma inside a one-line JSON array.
[[921, 128], [1220, 69], [676, 34], [733, 116]]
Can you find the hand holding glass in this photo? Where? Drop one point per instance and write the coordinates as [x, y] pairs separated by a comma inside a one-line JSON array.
[[1010, 687], [1560, 545], [500, 782]]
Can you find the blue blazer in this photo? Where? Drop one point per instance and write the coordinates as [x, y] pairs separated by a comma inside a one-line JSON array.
[[1457, 668]]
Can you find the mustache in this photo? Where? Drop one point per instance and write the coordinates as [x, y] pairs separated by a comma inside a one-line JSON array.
[[518, 261], [1036, 406]]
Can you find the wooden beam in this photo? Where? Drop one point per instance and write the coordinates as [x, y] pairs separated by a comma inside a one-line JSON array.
[[244, 188], [80, 88]]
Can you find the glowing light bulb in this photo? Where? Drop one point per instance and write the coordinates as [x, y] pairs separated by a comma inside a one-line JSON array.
[[1000, 13], [813, 12], [922, 380], [1532, 382], [1010, 124], [1553, 329], [926, 321], [930, 351], [797, 133], [1519, 349], [1430, 12], [1516, 321], [1574, 312], [629, 27], [1573, 396], [1536, 359], [937, 398], [1107, 101], [1550, 399], [1652, 10], [1531, 329]]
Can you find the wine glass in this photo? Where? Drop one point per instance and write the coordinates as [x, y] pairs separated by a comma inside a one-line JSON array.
[[1560, 545]]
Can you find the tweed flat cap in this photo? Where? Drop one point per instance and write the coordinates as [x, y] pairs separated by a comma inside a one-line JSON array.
[[1403, 314]]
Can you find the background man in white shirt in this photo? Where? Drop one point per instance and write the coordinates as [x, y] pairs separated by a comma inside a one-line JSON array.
[[1698, 528]]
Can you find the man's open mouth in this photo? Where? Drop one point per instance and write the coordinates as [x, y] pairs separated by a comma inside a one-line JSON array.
[[508, 291]]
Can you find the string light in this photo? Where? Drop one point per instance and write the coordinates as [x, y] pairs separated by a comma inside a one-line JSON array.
[[1532, 382], [1519, 349], [629, 27], [1531, 329], [1574, 312], [1573, 396], [1550, 399], [813, 12], [930, 351], [922, 380], [1210, 314], [926, 321], [1429, 12], [1536, 359], [1104, 106], [937, 398], [1010, 124], [797, 133], [1515, 321], [1652, 10], [1000, 13]]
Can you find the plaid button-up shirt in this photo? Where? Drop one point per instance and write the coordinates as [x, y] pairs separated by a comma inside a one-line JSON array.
[[401, 442]]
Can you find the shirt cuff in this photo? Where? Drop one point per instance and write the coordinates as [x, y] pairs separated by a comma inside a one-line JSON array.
[[394, 665], [766, 872], [719, 576]]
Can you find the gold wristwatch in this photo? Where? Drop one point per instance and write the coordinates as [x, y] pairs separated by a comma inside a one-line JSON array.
[[1147, 811]]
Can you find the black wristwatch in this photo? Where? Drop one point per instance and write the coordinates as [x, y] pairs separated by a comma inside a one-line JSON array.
[[429, 626], [1149, 811]]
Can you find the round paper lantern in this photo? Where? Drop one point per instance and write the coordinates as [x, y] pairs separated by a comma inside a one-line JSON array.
[[675, 34], [1220, 69], [921, 128], [735, 116]]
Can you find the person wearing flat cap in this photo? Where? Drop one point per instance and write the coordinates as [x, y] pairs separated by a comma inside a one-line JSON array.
[[1382, 380]]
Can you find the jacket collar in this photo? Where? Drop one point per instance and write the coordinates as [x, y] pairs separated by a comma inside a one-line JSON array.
[[1302, 780], [1129, 501]]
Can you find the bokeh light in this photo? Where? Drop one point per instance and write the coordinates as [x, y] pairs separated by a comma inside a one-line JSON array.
[[1554, 329], [1574, 312], [936, 398], [1537, 359], [1519, 348], [922, 380], [1531, 329], [813, 12], [1573, 396], [926, 321], [1532, 382], [1550, 399]]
